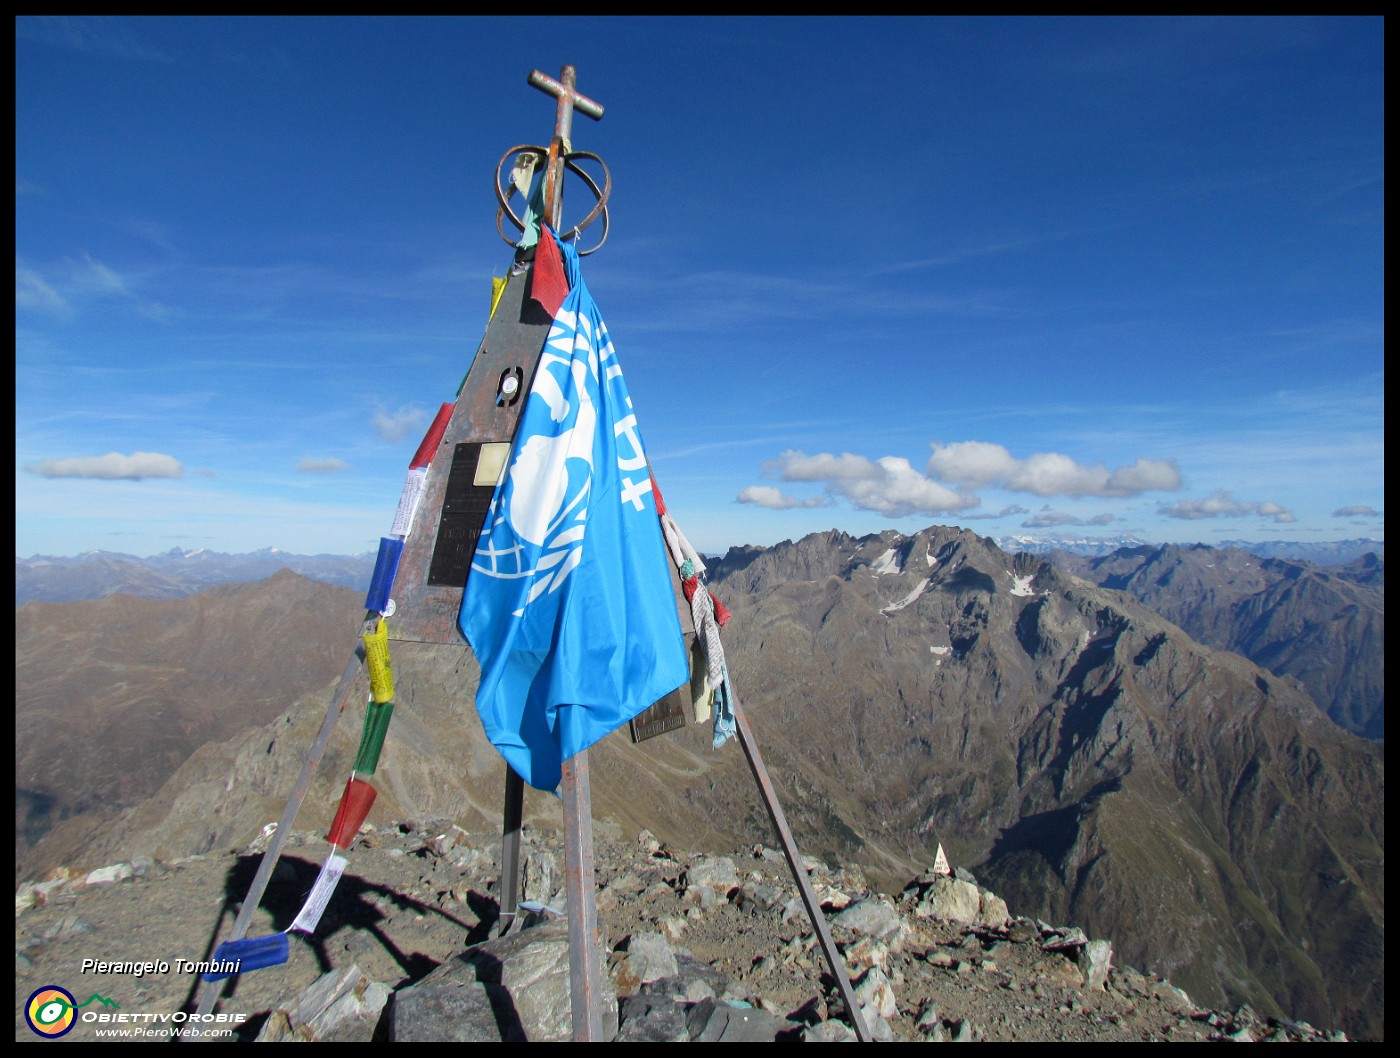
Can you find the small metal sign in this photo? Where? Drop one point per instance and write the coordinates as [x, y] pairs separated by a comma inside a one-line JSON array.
[[662, 715], [464, 507]]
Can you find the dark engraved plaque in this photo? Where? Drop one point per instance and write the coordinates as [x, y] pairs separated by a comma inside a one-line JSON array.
[[464, 508], [664, 714]]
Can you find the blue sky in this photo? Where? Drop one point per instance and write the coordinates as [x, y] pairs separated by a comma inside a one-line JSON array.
[[1030, 276]]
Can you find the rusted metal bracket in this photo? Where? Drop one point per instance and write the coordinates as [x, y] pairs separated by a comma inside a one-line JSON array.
[[504, 190]]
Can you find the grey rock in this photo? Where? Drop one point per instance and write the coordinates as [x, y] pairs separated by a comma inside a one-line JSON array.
[[1095, 960], [874, 994], [650, 958], [870, 918], [533, 968], [757, 897], [463, 1012], [652, 1019], [927, 1016], [1066, 939], [342, 1006], [713, 872], [541, 868], [713, 1021], [951, 899], [829, 1032], [1171, 995], [992, 910]]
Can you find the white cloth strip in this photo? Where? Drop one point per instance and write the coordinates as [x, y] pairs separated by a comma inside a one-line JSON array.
[[310, 914], [408, 501]]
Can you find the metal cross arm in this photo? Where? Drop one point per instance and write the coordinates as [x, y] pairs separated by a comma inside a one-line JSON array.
[[570, 99]]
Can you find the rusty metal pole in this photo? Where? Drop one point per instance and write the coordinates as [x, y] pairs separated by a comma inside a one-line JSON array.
[[510, 848], [351, 681], [585, 957], [585, 962], [834, 958]]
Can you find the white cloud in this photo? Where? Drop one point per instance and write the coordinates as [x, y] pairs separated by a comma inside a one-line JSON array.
[[1355, 510], [97, 277], [395, 427], [1145, 475], [33, 293], [1047, 519], [888, 485], [111, 467], [1221, 504], [972, 464], [308, 465], [76, 283], [798, 466], [775, 499]]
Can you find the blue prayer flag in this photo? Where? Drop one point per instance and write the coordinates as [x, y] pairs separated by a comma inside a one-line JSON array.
[[569, 606]]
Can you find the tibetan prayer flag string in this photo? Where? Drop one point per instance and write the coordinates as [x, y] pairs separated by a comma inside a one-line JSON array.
[[377, 717], [381, 674], [251, 953], [355, 804]]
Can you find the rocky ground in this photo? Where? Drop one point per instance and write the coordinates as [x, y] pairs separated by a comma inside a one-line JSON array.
[[698, 947]]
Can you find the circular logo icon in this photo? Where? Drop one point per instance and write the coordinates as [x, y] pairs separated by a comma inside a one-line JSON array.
[[51, 1011]]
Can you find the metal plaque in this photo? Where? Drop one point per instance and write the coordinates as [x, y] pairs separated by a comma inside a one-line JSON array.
[[464, 507], [664, 714]]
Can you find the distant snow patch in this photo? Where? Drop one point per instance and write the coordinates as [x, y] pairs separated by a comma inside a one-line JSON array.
[[919, 590], [886, 563], [1021, 585], [940, 650], [928, 557]]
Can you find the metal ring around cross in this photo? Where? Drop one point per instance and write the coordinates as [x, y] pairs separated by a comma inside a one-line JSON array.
[[542, 153]]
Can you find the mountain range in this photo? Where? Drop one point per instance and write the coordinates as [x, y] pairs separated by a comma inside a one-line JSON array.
[[1325, 627], [172, 574], [179, 571], [1318, 552], [1091, 760], [114, 694]]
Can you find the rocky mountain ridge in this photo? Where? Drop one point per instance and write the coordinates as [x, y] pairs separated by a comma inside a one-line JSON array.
[[174, 574], [180, 571], [1326, 627], [697, 948]]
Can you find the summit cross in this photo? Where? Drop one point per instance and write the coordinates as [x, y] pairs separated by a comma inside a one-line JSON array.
[[570, 99]]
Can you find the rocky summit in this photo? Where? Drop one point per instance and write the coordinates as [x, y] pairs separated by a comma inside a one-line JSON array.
[[696, 948]]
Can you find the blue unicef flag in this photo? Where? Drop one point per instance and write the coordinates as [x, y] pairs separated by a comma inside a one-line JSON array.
[[569, 606]]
